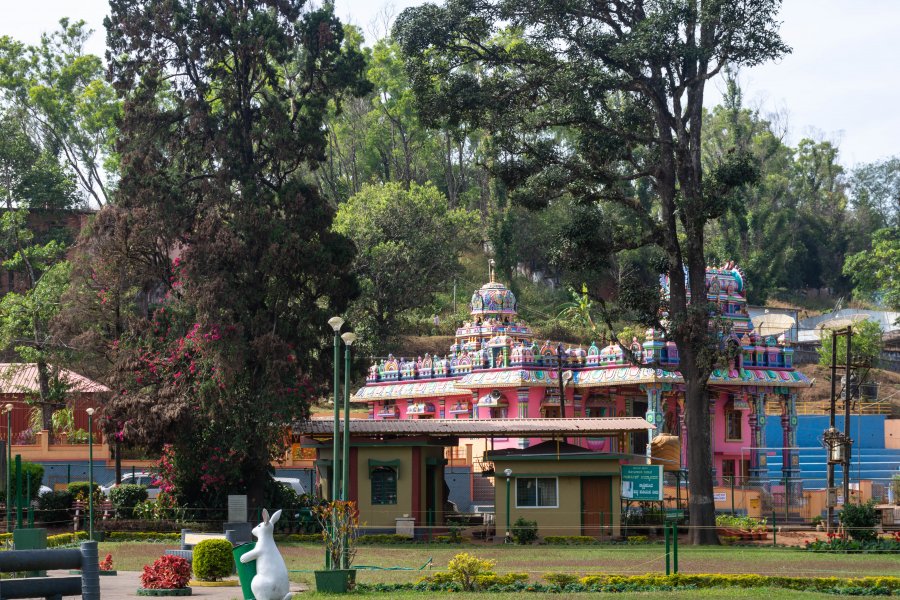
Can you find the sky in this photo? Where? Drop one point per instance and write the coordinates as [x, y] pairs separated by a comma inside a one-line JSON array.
[[839, 84]]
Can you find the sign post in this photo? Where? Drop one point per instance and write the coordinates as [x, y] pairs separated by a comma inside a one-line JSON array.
[[642, 482]]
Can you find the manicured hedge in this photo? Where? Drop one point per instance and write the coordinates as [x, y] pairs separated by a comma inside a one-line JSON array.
[[141, 536], [212, 560], [125, 497], [66, 539], [569, 540]]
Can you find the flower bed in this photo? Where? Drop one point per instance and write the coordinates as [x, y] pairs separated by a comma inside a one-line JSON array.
[[842, 544]]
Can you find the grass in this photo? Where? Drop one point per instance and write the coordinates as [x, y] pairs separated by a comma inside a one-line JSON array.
[[536, 560], [752, 594]]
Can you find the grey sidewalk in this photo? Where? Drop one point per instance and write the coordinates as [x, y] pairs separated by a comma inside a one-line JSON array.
[[125, 584]]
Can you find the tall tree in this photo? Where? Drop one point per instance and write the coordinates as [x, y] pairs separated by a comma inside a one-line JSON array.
[[223, 112], [33, 258], [66, 101], [624, 81], [409, 242]]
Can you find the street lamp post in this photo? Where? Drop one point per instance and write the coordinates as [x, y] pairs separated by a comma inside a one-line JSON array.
[[90, 412], [508, 473], [336, 323], [8, 408], [348, 338]]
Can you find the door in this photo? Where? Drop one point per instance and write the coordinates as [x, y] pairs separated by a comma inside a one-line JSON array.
[[596, 498]]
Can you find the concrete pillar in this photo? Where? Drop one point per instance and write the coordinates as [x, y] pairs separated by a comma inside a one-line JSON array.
[[757, 418], [654, 414], [790, 468], [522, 408]]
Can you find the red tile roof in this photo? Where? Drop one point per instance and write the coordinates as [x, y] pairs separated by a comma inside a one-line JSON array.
[[22, 378]]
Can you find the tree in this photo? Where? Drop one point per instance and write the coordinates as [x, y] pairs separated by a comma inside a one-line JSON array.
[[875, 193], [865, 347], [601, 101], [31, 178], [408, 246], [214, 224], [67, 103], [876, 272]]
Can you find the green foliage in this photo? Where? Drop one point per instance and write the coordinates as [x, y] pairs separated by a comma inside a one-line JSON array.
[[524, 531], [875, 271], [842, 545], [79, 491], [66, 539], [340, 529], [67, 101], [859, 520], [140, 536], [569, 540], [212, 560], [408, 245], [37, 475], [865, 347], [125, 497], [384, 538], [211, 370], [465, 568], [560, 579], [55, 508]]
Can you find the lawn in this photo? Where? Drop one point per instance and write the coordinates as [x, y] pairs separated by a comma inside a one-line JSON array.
[[751, 594], [536, 560]]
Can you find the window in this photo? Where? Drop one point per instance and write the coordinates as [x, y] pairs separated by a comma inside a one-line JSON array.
[[384, 485], [733, 423], [537, 492], [727, 471]]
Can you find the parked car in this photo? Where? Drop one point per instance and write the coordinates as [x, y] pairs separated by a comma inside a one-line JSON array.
[[44, 489], [140, 478], [293, 483]]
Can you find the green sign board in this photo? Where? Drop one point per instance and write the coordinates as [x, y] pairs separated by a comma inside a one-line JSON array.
[[642, 482]]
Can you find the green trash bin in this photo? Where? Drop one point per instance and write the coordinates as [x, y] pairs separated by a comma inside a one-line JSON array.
[[245, 571], [35, 538]]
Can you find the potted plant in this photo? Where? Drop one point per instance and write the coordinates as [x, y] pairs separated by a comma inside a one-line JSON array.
[[340, 528], [167, 576]]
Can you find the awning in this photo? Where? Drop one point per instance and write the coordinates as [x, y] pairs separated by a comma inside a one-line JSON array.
[[482, 428]]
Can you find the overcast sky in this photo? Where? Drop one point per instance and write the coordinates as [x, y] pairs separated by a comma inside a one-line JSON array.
[[840, 83]]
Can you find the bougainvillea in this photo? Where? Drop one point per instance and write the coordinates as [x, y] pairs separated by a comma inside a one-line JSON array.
[[166, 573]]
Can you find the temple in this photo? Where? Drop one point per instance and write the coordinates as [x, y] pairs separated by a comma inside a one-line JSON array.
[[497, 370]]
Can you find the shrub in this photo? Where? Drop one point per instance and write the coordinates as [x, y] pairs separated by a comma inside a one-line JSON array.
[[126, 497], [560, 579], [166, 573], [381, 538], [464, 568], [859, 520], [140, 536], [524, 531], [569, 540], [66, 539], [638, 539], [107, 563], [79, 491], [53, 508], [37, 476], [212, 560], [484, 582]]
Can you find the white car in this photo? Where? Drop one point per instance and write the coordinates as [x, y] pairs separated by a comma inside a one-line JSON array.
[[140, 478], [293, 483]]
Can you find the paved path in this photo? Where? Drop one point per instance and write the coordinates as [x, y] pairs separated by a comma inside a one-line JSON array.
[[124, 587]]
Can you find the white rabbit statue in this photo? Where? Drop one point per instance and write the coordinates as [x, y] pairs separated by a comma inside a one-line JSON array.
[[271, 579]]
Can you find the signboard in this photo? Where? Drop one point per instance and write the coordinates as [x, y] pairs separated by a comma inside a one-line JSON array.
[[237, 508], [642, 482], [720, 496]]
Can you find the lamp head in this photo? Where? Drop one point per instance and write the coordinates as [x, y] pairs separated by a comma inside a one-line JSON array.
[[336, 323], [349, 338], [89, 411], [507, 472], [8, 407]]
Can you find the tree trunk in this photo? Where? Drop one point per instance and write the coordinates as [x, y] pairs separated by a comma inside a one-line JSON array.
[[44, 391], [699, 455]]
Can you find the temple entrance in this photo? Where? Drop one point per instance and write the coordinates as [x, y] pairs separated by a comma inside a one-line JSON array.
[[431, 495], [596, 505]]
